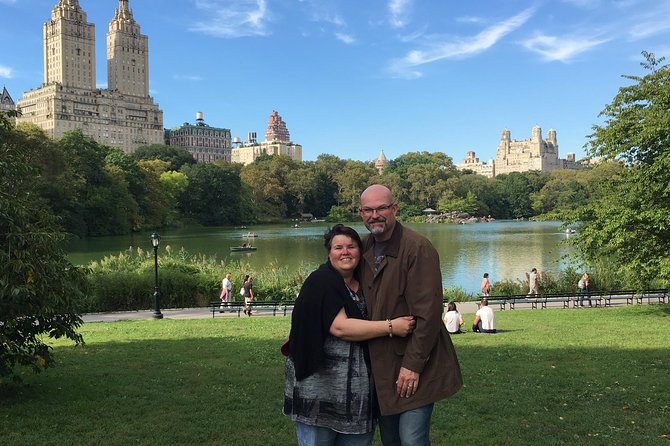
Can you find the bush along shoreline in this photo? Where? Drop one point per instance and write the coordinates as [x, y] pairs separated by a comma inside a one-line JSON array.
[[125, 282]]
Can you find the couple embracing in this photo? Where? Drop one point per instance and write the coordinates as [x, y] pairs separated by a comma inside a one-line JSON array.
[[367, 342]]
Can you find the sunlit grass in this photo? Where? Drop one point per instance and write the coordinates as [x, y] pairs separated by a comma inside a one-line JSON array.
[[597, 377]]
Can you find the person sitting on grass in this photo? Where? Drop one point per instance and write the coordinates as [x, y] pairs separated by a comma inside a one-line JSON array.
[[485, 320], [453, 319]]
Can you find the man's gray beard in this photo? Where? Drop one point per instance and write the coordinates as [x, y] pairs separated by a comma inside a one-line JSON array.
[[376, 230]]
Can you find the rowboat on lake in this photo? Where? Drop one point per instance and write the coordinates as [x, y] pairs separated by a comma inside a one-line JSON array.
[[242, 248]]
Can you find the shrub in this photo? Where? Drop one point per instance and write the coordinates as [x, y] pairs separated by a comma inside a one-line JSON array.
[[126, 281], [458, 294]]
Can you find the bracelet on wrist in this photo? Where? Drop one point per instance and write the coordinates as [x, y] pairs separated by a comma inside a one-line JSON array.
[[390, 328]]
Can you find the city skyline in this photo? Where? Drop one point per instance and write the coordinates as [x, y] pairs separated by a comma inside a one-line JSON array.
[[398, 76]]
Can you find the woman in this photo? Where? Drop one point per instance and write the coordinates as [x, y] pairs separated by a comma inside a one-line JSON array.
[[453, 319], [486, 285], [328, 391], [248, 294]]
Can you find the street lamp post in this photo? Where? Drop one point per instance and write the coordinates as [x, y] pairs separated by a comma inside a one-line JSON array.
[[155, 241]]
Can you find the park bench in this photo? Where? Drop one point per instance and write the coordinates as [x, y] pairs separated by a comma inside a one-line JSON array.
[[620, 295], [659, 296], [275, 307]]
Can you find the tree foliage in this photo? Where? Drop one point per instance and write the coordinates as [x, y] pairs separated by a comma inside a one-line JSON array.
[[627, 227], [175, 155], [38, 285]]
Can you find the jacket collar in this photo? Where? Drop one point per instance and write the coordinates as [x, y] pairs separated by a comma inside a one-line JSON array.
[[393, 247]]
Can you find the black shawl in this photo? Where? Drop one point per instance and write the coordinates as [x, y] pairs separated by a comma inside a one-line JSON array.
[[321, 297]]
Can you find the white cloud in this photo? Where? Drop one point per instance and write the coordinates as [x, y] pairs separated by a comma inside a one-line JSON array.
[[647, 29], [458, 48], [328, 17], [187, 77], [470, 19], [5, 72], [233, 18], [552, 48], [346, 38], [398, 10], [586, 4]]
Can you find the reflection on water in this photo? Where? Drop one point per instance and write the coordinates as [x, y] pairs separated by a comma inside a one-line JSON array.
[[504, 249]]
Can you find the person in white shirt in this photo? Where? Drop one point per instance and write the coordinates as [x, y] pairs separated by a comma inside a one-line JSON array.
[[226, 292], [485, 320], [453, 319]]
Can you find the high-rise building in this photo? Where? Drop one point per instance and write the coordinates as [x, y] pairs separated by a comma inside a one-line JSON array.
[[122, 116], [277, 142], [205, 143]]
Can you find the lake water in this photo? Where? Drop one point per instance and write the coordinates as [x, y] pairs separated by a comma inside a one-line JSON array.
[[504, 249]]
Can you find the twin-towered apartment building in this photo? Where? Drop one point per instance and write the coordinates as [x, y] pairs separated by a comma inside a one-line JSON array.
[[122, 115]]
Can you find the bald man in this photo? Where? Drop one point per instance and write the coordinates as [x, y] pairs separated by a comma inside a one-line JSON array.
[[400, 273]]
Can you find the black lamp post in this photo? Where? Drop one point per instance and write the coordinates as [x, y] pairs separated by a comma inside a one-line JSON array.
[[155, 241]]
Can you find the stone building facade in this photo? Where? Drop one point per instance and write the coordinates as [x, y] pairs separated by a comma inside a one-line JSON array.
[[277, 142], [535, 153], [6, 101], [122, 116], [381, 162], [205, 143]]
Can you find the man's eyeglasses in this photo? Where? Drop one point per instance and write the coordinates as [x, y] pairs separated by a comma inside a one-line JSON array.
[[379, 209]]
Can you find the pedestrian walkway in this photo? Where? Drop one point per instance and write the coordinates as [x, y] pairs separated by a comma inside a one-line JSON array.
[[206, 312], [169, 313]]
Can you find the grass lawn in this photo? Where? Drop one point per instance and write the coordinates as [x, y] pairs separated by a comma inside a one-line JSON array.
[[553, 377]]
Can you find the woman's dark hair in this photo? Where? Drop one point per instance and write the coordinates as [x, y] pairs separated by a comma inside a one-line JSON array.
[[486, 274], [340, 229], [451, 306]]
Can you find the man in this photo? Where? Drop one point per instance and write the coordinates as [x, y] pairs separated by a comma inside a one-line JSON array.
[[532, 282], [401, 275], [485, 320], [226, 291]]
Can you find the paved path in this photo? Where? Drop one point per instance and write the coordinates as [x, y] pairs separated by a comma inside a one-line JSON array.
[[206, 312]]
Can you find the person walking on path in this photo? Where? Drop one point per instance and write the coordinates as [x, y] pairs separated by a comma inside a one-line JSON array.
[[486, 285], [532, 282], [248, 288], [226, 292], [584, 290], [400, 273]]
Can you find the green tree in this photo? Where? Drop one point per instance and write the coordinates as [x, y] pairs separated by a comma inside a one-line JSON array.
[[564, 190], [514, 191], [38, 285], [628, 227], [351, 181], [175, 155], [268, 179], [212, 196], [174, 184], [427, 183]]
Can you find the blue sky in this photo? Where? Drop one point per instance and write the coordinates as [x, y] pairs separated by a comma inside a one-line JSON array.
[[353, 77]]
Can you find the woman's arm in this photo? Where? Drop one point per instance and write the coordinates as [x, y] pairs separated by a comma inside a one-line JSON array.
[[350, 329]]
